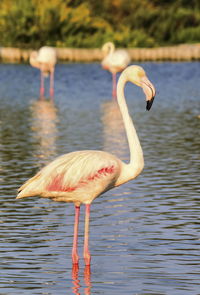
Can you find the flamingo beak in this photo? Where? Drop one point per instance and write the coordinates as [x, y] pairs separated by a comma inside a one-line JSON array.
[[149, 91], [149, 103]]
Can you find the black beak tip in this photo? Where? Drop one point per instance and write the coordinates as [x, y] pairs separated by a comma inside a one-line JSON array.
[[149, 104]]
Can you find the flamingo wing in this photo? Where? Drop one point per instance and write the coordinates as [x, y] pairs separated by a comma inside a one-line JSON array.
[[74, 174]]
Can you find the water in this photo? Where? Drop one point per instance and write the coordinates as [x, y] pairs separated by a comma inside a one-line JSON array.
[[144, 235]]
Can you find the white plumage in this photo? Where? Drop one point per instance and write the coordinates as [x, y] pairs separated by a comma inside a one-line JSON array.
[[47, 55]]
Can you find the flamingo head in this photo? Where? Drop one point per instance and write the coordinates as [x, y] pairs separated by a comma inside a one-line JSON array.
[[137, 75]]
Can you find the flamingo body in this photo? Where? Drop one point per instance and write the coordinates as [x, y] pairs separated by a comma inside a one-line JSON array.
[[47, 55], [116, 61], [81, 176], [45, 60], [77, 177]]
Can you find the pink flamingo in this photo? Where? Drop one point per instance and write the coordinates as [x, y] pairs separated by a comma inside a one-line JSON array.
[[82, 176], [45, 60], [114, 61]]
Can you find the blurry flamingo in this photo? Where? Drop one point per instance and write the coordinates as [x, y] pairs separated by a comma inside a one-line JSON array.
[[45, 59], [114, 61], [82, 176]]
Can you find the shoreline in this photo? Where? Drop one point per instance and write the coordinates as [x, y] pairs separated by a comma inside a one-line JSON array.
[[183, 52]]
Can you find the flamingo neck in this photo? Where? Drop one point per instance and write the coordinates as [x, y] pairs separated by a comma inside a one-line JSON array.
[[136, 163], [111, 48], [34, 62]]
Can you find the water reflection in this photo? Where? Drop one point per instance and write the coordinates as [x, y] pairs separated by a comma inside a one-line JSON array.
[[43, 125], [76, 281], [114, 136]]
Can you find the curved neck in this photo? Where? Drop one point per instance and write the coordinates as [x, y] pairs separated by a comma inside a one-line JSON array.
[[33, 61], [136, 155], [110, 47]]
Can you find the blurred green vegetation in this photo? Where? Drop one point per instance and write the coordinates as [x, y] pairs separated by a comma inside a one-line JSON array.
[[90, 23]]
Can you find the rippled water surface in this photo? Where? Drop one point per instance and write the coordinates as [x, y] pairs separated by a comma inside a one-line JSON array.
[[145, 235]]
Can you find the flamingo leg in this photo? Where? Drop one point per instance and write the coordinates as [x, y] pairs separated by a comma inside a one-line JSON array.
[[114, 83], [75, 257], [51, 90], [86, 253], [42, 86]]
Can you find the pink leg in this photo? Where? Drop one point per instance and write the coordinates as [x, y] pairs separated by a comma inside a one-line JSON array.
[[114, 82], [42, 86], [51, 85], [86, 253], [75, 257]]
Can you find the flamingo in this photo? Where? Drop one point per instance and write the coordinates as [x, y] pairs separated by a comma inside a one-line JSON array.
[[114, 61], [82, 176], [45, 60]]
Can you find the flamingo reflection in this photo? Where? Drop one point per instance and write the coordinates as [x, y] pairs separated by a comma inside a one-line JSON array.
[[76, 281], [113, 130], [44, 119]]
